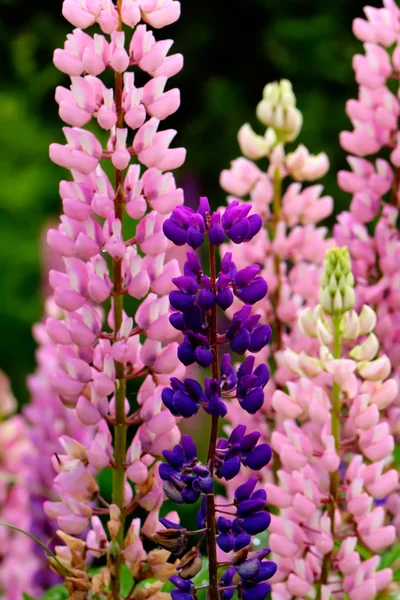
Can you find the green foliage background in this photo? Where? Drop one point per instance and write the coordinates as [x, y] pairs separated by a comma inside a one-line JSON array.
[[231, 50]]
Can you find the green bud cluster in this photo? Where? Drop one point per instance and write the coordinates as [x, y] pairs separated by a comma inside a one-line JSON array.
[[337, 284], [277, 110]]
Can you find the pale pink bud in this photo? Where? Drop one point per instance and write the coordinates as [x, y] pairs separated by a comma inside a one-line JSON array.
[[252, 145], [86, 412], [119, 59], [376, 370]]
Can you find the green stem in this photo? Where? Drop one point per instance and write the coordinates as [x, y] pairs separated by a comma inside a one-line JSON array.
[[120, 428], [211, 536], [277, 213], [335, 426], [35, 539]]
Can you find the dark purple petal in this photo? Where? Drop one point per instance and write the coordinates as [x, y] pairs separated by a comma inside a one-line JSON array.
[[245, 490], [260, 337], [194, 238], [267, 570], [242, 540], [180, 300], [193, 319], [186, 283], [253, 401], [249, 441], [225, 298], [238, 232], [255, 224], [246, 275], [256, 523], [166, 471], [225, 542], [237, 434], [230, 468], [177, 321], [224, 525], [174, 232], [170, 524], [188, 445], [262, 374], [205, 300], [254, 292], [250, 506], [193, 388], [186, 354], [190, 496], [257, 591], [246, 368], [185, 405], [204, 206], [249, 569], [259, 457], [203, 357], [240, 342], [175, 457], [216, 235], [228, 377], [192, 265], [167, 396], [182, 584]]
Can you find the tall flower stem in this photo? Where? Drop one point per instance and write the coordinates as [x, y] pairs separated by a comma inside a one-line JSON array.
[[335, 426], [276, 207], [120, 427], [211, 537]]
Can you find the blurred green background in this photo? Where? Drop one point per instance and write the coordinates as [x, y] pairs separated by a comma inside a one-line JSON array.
[[232, 49]]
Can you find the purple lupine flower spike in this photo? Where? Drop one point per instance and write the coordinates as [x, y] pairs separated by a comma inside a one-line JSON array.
[[199, 294]]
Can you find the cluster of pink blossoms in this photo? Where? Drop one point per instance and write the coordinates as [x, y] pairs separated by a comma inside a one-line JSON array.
[[15, 547], [291, 247], [374, 184], [98, 347], [335, 487]]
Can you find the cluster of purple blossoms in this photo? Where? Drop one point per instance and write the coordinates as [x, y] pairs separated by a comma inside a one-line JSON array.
[[226, 528]]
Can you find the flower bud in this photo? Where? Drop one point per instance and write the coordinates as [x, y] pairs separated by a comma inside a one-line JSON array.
[[190, 564], [351, 326], [252, 145], [324, 332], [367, 350], [307, 322], [277, 110], [367, 320], [174, 540], [337, 285]]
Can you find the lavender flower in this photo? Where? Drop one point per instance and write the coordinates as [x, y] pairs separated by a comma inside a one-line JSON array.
[[199, 293]]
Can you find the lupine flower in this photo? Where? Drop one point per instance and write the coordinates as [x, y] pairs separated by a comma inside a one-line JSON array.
[[99, 352], [195, 301], [333, 467]]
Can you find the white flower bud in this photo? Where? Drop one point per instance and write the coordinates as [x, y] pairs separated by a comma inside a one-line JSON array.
[[307, 322], [324, 332], [252, 145], [367, 350], [376, 370], [350, 326], [367, 320], [277, 110]]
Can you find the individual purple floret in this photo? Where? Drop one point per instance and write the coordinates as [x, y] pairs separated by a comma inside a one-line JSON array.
[[201, 292], [186, 226]]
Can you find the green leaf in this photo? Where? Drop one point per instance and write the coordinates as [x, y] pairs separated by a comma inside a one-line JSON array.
[[27, 597], [126, 580], [389, 558], [58, 592], [396, 574]]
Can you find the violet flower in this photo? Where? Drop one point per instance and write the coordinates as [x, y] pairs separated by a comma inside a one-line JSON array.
[[200, 293]]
